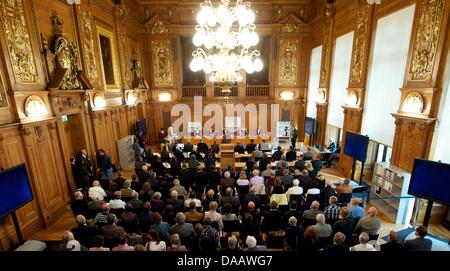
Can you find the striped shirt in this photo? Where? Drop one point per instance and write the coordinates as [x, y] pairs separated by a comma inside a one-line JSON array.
[[332, 212]]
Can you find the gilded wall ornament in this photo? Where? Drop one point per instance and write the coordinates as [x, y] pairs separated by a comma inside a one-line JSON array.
[[124, 56], [88, 46], [426, 40], [162, 64], [290, 26], [414, 103], [3, 99], [288, 63], [159, 27], [325, 53], [362, 19], [136, 68], [18, 41], [66, 56]]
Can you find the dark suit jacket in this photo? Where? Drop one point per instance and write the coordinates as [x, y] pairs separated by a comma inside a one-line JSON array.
[[188, 147], [307, 156], [239, 149], [79, 207], [202, 147], [85, 234], [254, 198], [250, 147], [112, 231], [299, 164], [340, 248], [291, 155], [419, 244], [392, 247]]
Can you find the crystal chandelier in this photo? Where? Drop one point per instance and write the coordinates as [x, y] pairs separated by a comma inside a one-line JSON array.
[[226, 44]]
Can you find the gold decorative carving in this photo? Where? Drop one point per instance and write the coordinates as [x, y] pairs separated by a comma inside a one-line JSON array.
[[68, 104], [327, 33], [39, 131], [162, 64], [426, 40], [288, 63], [159, 27], [27, 131], [410, 126], [124, 49], [362, 20], [88, 46], [66, 56], [35, 106], [3, 99], [136, 67], [290, 26], [18, 41]]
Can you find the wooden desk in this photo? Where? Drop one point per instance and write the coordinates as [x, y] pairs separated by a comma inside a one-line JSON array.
[[241, 139]]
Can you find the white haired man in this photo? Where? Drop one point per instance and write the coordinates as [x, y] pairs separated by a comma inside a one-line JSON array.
[[96, 191], [185, 230], [322, 229], [294, 190], [213, 214], [252, 244], [364, 244], [369, 224], [84, 233], [70, 243]]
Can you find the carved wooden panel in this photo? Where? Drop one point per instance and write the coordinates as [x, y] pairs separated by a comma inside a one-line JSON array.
[[123, 48], [48, 169], [87, 40], [18, 42], [352, 122], [162, 63], [12, 153], [288, 56], [3, 98], [360, 43], [425, 48], [325, 67], [412, 140], [321, 123]]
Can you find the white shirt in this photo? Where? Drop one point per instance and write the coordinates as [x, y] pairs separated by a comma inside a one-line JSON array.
[[73, 245], [257, 180], [116, 204], [198, 203], [156, 247], [242, 182], [363, 247], [260, 188], [97, 192], [313, 191], [295, 190], [215, 216]]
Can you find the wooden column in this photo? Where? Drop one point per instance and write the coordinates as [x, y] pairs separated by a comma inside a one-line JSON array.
[[325, 75], [422, 87], [354, 105]]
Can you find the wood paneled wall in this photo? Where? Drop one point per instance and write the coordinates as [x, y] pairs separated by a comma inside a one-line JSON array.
[[46, 143]]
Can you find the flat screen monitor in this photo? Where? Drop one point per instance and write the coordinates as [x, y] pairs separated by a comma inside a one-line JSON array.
[[356, 146], [430, 180], [141, 127], [15, 190], [310, 124], [181, 146]]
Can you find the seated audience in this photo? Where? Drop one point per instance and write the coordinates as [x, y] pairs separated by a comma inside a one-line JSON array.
[[227, 213], [181, 190], [97, 244], [181, 228], [111, 231], [70, 244], [322, 229], [232, 242], [364, 244], [294, 190], [154, 243], [293, 233], [309, 242], [175, 243], [161, 227], [79, 205], [126, 191], [157, 203], [356, 211], [117, 202], [193, 215], [332, 210], [313, 211], [101, 218], [192, 198], [96, 191], [393, 245], [135, 201], [420, 243], [213, 215], [344, 188], [177, 204], [369, 224], [252, 245], [338, 245], [84, 233], [229, 198], [123, 244], [345, 224]]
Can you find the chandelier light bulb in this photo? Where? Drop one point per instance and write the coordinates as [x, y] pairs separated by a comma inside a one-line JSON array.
[[258, 65], [224, 35]]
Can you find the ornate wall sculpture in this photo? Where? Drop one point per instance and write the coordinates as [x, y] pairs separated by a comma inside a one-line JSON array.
[[290, 26], [426, 41], [136, 68], [18, 41], [288, 63], [162, 64], [124, 56], [326, 56], [88, 46], [159, 27], [66, 56], [359, 45]]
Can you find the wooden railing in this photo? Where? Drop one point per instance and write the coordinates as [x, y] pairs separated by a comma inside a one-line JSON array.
[[257, 90], [218, 91], [191, 91]]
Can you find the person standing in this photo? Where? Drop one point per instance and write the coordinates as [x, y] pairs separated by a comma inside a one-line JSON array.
[[294, 137], [105, 166], [83, 169]]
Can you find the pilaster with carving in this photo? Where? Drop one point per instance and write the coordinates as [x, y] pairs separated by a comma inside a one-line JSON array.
[[325, 74], [354, 105], [421, 92]]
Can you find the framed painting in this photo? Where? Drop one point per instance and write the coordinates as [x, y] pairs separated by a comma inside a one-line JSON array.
[[108, 58]]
